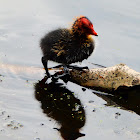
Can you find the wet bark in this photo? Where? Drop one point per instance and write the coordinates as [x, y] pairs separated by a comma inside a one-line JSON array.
[[109, 79]]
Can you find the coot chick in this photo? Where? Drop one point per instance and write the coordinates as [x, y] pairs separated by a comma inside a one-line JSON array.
[[68, 46]]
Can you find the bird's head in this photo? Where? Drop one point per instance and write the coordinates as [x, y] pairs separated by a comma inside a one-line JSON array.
[[84, 26]]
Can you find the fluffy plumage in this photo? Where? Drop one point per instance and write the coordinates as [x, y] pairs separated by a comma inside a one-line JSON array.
[[67, 46]]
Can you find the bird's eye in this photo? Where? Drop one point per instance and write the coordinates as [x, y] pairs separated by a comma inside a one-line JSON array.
[[90, 25], [85, 27]]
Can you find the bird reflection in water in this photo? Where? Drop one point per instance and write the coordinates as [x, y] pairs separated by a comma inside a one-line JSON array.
[[60, 104]]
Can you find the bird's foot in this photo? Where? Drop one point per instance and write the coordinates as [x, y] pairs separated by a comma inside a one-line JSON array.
[[64, 76], [77, 68], [66, 70]]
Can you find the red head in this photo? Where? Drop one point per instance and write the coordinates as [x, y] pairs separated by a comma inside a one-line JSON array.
[[85, 26]]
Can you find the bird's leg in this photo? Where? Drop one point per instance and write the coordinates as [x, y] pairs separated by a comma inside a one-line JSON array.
[[70, 67], [45, 62], [65, 76], [58, 66], [65, 68]]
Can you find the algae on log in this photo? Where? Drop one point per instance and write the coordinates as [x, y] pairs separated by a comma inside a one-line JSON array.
[[106, 78]]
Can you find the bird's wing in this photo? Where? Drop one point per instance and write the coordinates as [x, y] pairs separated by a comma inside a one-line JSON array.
[[59, 48]]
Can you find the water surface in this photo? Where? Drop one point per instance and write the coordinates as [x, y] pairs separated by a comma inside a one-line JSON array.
[[22, 24]]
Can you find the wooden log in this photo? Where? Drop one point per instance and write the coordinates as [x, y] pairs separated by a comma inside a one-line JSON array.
[[106, 78]]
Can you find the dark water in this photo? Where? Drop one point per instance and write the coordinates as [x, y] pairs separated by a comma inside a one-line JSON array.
[[22, 24]]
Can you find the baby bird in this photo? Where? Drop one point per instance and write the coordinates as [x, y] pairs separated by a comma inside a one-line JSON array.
[[68, 46]]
